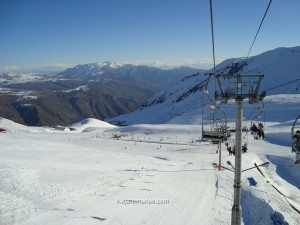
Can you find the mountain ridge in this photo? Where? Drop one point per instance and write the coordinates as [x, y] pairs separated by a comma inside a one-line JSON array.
[[101, 91], [278, 66], [141, 74]]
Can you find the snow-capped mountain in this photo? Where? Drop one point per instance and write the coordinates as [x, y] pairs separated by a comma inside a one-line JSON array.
[[139, 74], [279, 66], [64, 175], [98, 90], [92, 69]]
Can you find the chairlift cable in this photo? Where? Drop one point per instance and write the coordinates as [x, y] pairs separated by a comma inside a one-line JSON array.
[[213, 48], [294, 125], [259, 28], [212, 35], [280, 85], [245, 125], [214, 62], [250, 116]]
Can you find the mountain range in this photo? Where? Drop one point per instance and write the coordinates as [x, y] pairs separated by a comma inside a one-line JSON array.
[[153, 77], [128, 94], [98, 90], [186, 98]]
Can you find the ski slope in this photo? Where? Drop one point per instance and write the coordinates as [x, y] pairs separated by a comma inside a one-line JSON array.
[[140, 174]]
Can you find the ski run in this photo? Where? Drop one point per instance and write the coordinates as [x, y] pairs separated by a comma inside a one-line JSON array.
[[97, 173]]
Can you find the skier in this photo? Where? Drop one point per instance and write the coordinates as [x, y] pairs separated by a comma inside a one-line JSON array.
[[296, 146], [261, 131]]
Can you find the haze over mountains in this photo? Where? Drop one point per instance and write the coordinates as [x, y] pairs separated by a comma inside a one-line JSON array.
[[98, 90]]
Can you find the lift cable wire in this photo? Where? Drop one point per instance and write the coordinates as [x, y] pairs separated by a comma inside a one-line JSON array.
[[259, 28], [214, 103], [262, 111], [280, 85], [263, 107], [245, 124], [250, 115], [214, 61], [212, 35]]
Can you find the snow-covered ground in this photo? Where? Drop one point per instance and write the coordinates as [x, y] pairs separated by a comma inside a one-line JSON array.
[[97, 173]]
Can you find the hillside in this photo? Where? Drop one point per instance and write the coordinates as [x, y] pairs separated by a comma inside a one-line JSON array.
[[98, 173], [67, 101], [186, 97], [100, 90], [92, 172]]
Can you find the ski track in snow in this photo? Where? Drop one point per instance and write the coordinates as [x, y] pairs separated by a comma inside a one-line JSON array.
[[50, 176]]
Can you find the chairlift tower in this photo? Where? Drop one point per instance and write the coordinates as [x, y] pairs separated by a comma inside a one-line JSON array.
[[238, 87]]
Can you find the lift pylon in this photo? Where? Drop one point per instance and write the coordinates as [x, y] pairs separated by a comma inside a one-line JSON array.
[[238, 87]]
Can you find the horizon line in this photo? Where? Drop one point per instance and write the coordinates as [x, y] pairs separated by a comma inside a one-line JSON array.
[[204, 64]]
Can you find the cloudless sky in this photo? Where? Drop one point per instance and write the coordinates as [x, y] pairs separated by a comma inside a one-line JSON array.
[[53, 34]]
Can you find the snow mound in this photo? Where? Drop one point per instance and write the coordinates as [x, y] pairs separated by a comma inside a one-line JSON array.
[[88, 123], [10, 125]]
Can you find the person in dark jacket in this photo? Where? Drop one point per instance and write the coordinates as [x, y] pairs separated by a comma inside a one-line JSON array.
[[254, 131], [261, 131], [296, 146]]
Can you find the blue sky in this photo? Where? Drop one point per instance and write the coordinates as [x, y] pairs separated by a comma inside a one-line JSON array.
[[37, 35]]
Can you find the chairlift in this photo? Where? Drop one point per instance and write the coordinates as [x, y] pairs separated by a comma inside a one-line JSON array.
[[296, 126], [218, 127], [230, 144], [216, 132], [261, 114], [259, 118], [295, 145]]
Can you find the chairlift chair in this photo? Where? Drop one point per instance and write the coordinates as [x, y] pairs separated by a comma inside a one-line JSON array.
[[261, 115], [217, 133], [296, 126], [217, 127], [295, 147]]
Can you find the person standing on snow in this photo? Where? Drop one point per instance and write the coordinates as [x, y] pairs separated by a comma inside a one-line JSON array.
[[296, 146]]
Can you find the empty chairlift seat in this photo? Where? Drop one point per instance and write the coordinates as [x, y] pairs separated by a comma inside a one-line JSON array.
[[215, 136]]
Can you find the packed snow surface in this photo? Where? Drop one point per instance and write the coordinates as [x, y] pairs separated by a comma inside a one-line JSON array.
[[141, 174]]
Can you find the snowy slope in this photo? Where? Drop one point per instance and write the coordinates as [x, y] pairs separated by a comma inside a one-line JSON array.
[[151, 174], [89, 124], [279, 66], [159, 173]]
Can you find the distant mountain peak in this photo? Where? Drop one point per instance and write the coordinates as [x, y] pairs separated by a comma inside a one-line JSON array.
[[99, 65], [113, 65], [127, 72]]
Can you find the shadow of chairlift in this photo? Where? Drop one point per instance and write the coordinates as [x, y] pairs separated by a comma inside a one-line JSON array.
[[216, 166]]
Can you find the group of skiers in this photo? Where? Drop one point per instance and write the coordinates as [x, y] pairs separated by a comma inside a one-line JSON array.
[[258, 132]]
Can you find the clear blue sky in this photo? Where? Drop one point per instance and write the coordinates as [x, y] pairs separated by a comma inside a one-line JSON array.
[[53, 34]]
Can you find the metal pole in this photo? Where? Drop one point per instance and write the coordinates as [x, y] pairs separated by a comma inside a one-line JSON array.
[[220, 163], [236, 216]]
